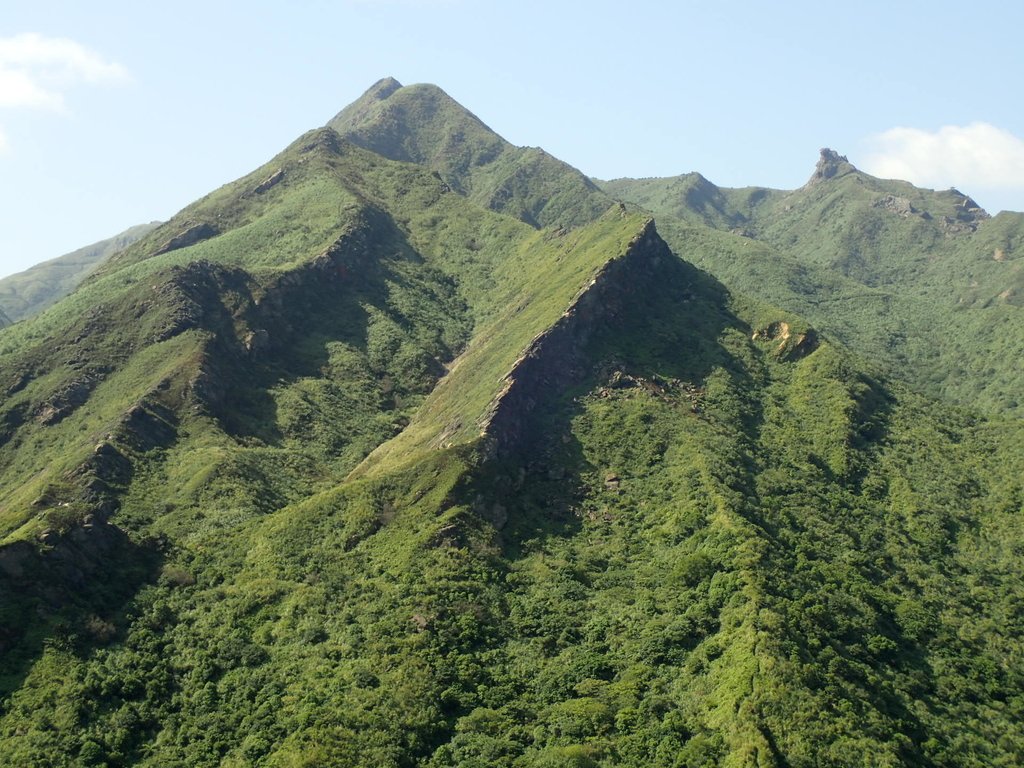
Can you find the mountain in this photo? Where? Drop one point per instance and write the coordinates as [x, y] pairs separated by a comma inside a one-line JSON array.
[[345, 464], [30, 292], [926, 285]]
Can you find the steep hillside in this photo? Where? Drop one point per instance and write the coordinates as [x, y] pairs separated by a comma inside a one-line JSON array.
[[924, 284], [343, 466], [30, 292]]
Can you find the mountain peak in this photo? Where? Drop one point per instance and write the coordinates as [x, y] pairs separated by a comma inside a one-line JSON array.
[[830, 164], [423, 124], [382, 89]]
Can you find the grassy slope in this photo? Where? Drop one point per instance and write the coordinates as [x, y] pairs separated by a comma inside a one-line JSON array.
[[30, 292], [726, 557], [929, 293]]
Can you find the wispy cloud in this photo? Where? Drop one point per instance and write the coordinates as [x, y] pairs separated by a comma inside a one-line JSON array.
[[978, 155], [37, 71]]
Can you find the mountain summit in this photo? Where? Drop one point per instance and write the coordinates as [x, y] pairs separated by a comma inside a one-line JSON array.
[[423, 124], [830, 164]]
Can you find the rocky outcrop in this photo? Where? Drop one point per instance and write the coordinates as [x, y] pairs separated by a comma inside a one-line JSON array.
[[830, 165], [146, 426], [256, 342], [197, 295], [553, 361], [269, 182], [900, 206], [194, 234], [967, 214], [789, 345], [65, 400], [65, 569], [344, 263]]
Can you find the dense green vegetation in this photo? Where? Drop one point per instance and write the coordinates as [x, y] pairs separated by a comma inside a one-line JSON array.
[[30, 292], [348, 465]]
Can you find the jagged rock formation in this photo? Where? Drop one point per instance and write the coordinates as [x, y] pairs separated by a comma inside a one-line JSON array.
[[830, 165]]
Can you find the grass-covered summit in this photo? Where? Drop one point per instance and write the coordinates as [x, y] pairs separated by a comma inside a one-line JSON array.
[[422, 124], [346, 464]]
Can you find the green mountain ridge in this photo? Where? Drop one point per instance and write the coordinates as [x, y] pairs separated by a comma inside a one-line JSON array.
[[29, 292], [924, 284], [353, 462]]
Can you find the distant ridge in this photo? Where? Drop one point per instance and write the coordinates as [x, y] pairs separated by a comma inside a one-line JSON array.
[[30, 292], [924, 284]]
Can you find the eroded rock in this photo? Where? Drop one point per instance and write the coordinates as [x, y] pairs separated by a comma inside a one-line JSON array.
[[192, 235]]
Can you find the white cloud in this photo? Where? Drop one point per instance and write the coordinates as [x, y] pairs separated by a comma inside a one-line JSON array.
[[36, 71], [18, 89], [978, 155]]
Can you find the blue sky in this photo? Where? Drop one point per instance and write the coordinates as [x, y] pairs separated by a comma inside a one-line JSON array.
[[115, 113]]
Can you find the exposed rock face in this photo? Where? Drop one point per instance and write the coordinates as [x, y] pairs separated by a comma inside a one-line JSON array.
[[344, 262], [553, 361], [148, 426], [59, 569], [790, 346], [69, 397], [256, 342], [194, 234], [967, 216], [196, 296], [802, 345], [830, 164], [325, 140], [900, 206], [269, 182]]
